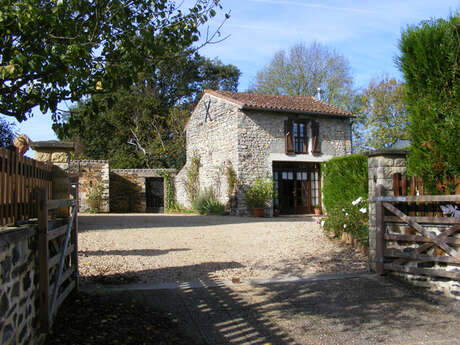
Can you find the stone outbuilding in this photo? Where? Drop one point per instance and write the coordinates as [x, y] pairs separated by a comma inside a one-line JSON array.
[[254, 135], [100, 188]]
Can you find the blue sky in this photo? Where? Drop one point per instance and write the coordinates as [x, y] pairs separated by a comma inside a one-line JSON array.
[[365, 32]]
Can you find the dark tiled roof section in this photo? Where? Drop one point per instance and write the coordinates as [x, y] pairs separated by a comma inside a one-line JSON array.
[[300, 104]]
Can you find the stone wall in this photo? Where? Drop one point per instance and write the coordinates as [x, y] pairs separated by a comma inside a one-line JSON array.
[[128, 188], [382, 165], [222, 135], [19, 286], [212, 136], [91, 175], [261, 142]]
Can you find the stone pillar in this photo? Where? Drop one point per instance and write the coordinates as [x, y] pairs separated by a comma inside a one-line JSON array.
[[58, 153], [382, 164]]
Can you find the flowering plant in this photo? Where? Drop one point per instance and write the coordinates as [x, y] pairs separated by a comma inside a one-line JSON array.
[[352, 218]]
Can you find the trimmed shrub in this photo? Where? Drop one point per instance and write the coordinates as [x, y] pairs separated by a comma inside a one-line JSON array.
[[345, 196], [429, 61]]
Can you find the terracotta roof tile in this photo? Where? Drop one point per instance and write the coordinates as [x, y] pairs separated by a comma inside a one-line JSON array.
[[300, 104]]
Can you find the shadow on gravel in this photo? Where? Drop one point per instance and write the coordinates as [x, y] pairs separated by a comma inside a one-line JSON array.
[[180, 274], [90, 222], [141, 252], [361, 310], [365, 310]]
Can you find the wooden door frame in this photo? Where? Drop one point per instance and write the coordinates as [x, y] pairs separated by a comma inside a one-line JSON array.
[[309, 167]]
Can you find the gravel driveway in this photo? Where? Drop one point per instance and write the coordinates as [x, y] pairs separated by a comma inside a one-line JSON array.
[[158, 248]]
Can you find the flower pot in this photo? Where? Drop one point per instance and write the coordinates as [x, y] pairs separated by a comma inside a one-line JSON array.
[[258, 211], [276, 212], [317, 211]]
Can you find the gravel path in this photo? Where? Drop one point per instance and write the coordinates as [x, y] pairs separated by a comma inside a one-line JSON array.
[[159, 248]]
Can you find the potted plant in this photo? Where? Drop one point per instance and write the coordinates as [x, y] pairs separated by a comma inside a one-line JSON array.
[[259, 195], [317, 210]]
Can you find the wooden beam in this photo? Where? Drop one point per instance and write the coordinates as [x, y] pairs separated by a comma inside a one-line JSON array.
[[61, 261], [418, 198], [56, 232], [380, 231], [65, 275], [423, 271], [416, 238], [65, 293], [74, 241], [393, 253], [55, 259], [436, 239], [44, 311], [425, 220]]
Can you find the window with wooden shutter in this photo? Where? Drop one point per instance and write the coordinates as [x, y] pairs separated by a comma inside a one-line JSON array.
[[303, 136], [315, 143], [288, 137]]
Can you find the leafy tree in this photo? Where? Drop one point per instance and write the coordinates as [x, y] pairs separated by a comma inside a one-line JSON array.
[[429, 60], [383, 119], [304, 69], [143, 126], [7, 133], [55, 50]]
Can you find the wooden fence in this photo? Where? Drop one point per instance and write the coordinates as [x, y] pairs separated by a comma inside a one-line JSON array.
[[58, 256], [19, 176], [413, 248], [413, 186]]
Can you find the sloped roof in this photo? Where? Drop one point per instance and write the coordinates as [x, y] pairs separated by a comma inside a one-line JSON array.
[[279, 103]]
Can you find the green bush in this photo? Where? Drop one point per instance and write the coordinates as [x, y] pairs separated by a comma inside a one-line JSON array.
[[206, 203], [345, 196], [260, 193], [429, 61]]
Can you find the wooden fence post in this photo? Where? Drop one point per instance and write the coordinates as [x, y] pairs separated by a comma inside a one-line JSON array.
[[74, 239], [380, 244], [42, 198]]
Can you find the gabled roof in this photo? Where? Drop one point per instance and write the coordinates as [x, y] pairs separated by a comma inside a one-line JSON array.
[[279, 103]]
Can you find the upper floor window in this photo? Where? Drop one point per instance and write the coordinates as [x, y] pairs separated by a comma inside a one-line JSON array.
[[300, 136], [296, 138]]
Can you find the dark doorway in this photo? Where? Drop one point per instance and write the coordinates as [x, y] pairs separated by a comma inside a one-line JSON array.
[[154, 192], [297, 187]]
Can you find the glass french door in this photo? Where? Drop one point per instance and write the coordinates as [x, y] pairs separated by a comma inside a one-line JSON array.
[[297, 187]]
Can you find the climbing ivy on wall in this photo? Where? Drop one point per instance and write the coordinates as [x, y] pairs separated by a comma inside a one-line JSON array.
[[192, 179], [169, 190]]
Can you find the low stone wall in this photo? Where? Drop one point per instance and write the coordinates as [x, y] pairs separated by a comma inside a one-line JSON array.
[[91, 174], [127, 193], [19, 322]]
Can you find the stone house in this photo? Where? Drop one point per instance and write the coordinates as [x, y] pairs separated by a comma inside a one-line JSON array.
[[282, 137]]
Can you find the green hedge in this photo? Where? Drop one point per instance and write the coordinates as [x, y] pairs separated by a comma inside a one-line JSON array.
[[345, 196], [429, 61]]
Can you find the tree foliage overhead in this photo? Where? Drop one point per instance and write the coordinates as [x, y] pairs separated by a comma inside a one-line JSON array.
[[7, 133], [304, 69], [429, 60], [382, 120], [142, 126], [57, 50]]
